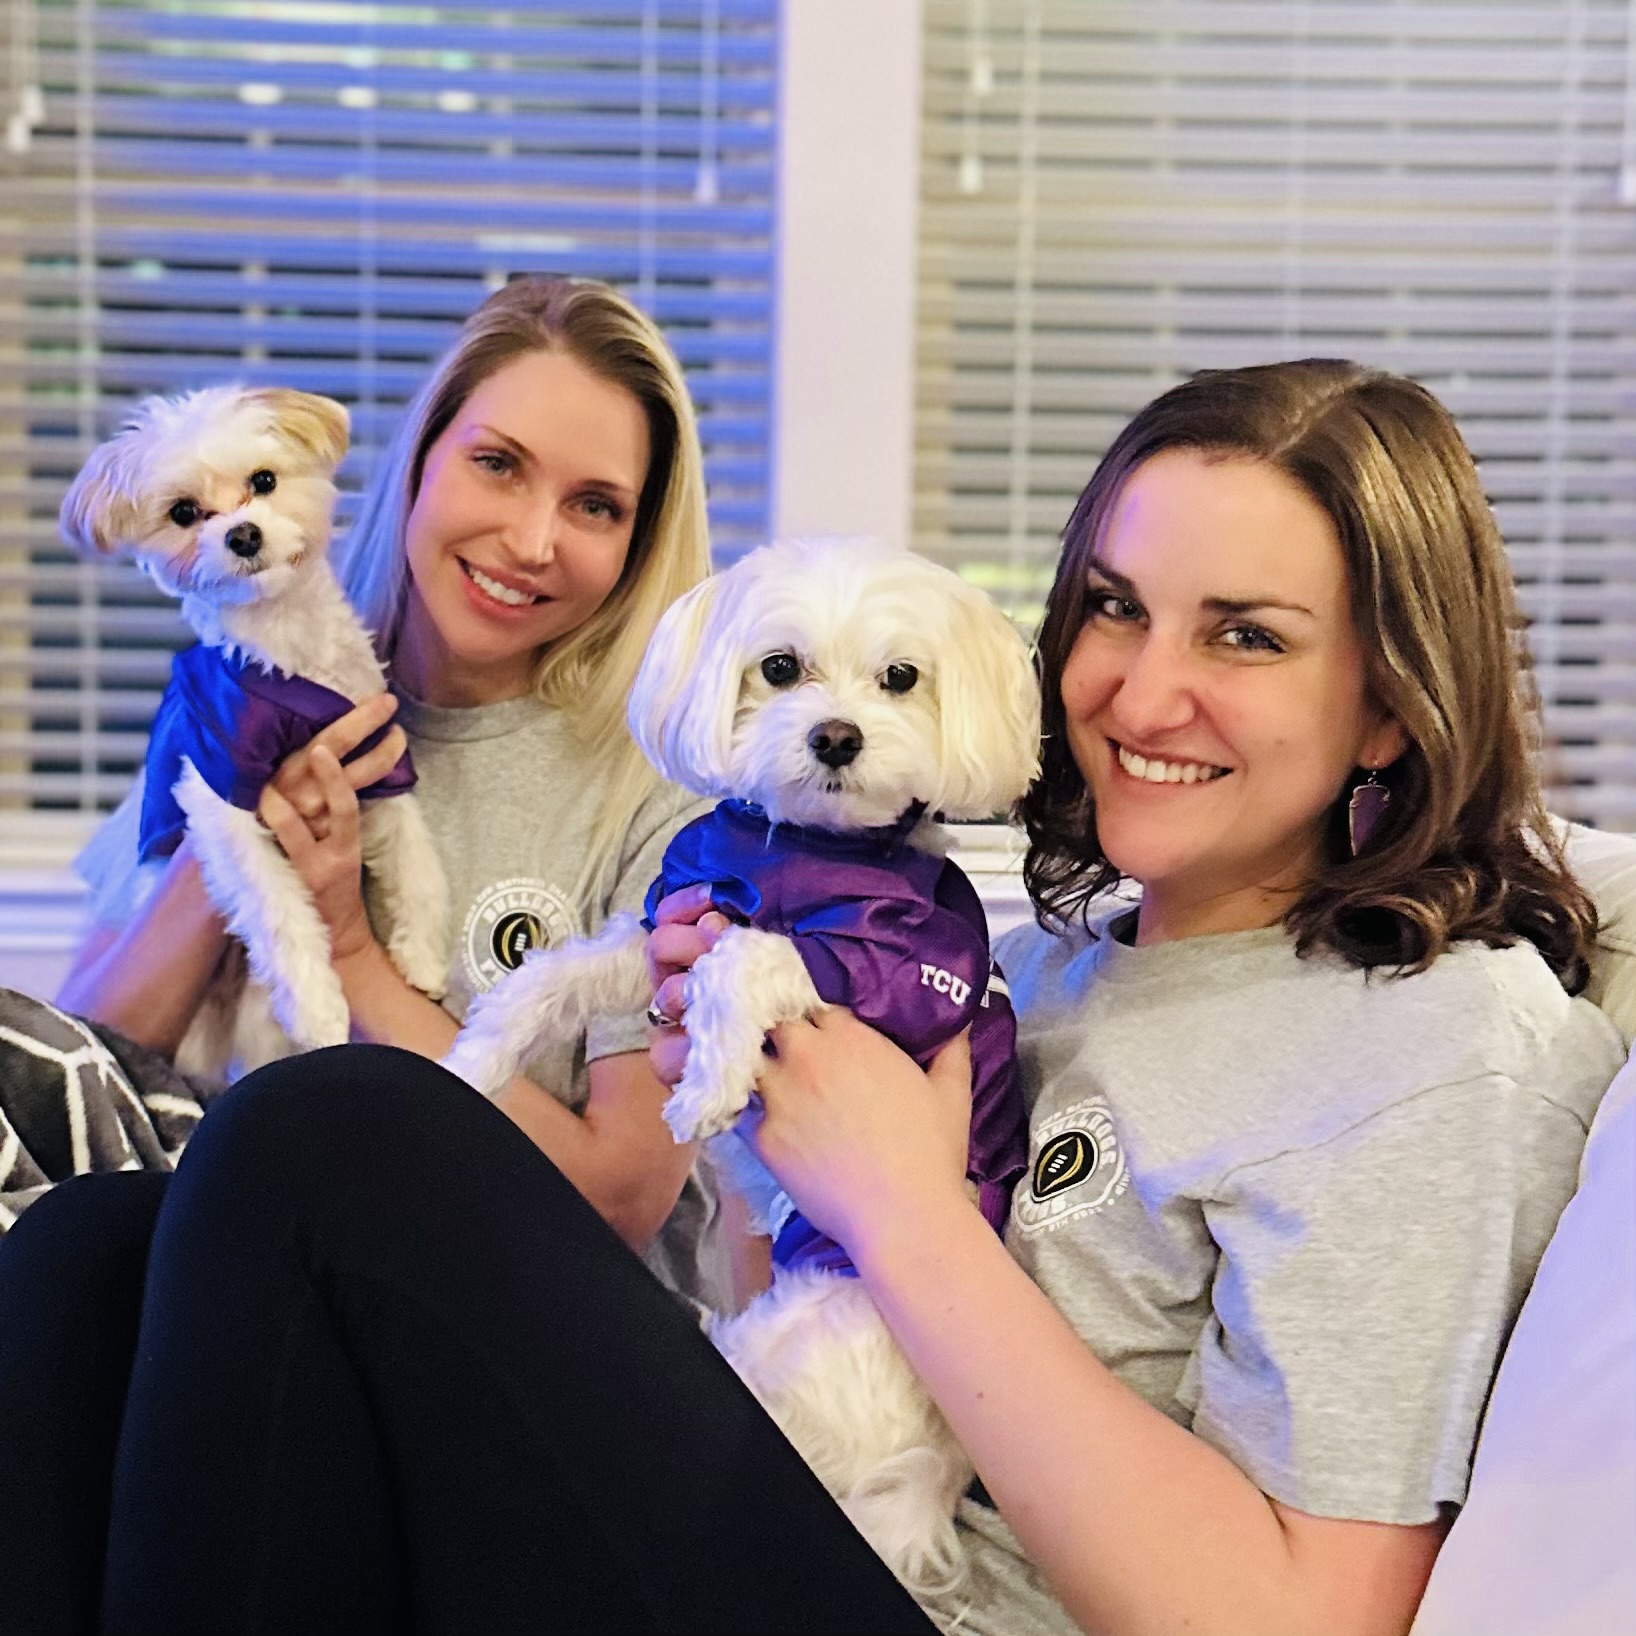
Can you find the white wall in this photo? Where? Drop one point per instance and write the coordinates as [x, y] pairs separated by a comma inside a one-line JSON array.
[[42, 903], [849, 152]]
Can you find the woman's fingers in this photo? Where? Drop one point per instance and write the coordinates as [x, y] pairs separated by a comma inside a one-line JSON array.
[[375, 764], [670, 999], [340, 799], [346, 733], [288, 826], [667, 1055], [683, 907], [296, 779], [674, 945]]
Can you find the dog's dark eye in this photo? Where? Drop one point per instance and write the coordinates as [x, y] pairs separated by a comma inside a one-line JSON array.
[[900, 678], [781, 669], [184, 514], [263, 482]]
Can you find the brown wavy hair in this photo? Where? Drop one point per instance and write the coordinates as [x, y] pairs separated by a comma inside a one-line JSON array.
[[1465, 849]]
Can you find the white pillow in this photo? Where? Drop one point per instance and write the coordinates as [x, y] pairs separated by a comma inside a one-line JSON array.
[[1605, 865], [1546, 1544]]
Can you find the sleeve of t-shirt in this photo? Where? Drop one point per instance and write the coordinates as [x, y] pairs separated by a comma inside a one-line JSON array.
[[664, 812], [1364, 1291], [118, 884]]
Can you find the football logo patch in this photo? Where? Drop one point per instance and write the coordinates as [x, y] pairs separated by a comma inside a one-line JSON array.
[[1064, 1162], [1077, 1167], [509, 920]]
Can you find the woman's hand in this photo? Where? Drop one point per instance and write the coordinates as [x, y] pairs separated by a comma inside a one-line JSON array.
[[311, 806], [856, 1133], [848, 1123], [684, 927]]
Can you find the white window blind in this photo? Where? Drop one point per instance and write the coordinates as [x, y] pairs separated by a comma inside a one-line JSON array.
[[313, 195], [1114, 195]]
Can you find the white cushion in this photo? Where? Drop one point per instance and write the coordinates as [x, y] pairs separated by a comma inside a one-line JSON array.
[[1546, 1544], [1606, 867]]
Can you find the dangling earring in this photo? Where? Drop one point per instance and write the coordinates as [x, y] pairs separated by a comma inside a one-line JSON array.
[[1370, 800]]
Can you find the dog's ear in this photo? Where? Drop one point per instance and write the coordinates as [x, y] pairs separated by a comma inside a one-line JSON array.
[[318, 425], [102, 509], [989, 710], [682, 702]]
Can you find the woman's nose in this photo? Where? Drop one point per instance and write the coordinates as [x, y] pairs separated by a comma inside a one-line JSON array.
[[1157, 689], [532, 535]]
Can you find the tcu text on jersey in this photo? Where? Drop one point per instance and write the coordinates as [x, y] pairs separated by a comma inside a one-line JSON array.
[[945, 982]]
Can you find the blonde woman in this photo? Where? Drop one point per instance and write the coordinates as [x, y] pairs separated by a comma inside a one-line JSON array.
[[541, 505]]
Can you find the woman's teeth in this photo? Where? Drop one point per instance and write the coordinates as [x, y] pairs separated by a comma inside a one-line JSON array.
[[493, 588], [1168, 772]]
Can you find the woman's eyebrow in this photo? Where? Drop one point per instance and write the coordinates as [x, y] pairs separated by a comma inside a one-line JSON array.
[[524, 453], [1226, 606], [1119, 582], [1231, 606], [481, 430]]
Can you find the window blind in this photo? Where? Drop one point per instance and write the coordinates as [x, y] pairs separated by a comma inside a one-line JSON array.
[[313, 195], [1115, 195]]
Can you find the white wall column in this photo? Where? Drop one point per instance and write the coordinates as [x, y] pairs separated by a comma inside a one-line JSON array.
[[849, 161]]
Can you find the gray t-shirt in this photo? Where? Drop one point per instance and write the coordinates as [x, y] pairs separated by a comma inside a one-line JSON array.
[[1292, 1206], [510, 799]]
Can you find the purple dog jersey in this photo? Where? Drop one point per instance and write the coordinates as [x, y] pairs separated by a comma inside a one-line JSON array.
[[236, 721], [896, 935]]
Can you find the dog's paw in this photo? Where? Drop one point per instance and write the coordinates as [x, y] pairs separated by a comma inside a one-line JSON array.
[[707, 1100], [422, 958], [736, 994], [313, 1016], [477, 1062]]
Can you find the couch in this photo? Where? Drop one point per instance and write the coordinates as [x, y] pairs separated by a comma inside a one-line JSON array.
[[1546, 1542]]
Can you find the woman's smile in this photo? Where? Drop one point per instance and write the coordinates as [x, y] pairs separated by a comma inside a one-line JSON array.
[[496, 590], [1154, 769]]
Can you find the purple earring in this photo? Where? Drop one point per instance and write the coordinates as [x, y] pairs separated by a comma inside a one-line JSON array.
[[1370, 800]]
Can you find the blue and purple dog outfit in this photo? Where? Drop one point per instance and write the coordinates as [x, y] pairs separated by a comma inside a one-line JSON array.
[[896, 935], [236, 721]]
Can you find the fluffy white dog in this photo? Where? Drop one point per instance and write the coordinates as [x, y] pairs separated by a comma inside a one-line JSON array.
[[838, 693], [224, 498]]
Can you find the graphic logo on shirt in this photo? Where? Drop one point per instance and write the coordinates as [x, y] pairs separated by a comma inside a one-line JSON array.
[[1076, 1168], [507, 920], [1063, 1162]]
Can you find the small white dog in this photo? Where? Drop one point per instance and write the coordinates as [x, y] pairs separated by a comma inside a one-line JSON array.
[[837, 693], [224, 498]]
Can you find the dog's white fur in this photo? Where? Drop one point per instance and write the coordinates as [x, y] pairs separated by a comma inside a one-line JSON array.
[[284, 608], [963, 741]]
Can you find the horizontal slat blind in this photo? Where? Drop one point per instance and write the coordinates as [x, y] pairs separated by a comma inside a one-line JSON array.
[[1114, 195], [313, 195]]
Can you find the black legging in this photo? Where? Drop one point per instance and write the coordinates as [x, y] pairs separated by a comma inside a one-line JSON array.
[[393, 1373]]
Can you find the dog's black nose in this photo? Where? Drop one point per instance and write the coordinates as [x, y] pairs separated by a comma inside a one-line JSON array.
[[244, 539], [835, 743]]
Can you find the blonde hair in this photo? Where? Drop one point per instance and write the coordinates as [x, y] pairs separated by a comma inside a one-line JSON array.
[[588, 673], [1465, 850]]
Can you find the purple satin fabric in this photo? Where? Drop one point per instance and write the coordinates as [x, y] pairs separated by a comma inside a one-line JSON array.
[[898, 937], [236, 722]]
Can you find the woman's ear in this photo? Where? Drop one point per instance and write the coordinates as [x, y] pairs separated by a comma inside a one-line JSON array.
[[989, 709], [1383, 743], [686, 689]]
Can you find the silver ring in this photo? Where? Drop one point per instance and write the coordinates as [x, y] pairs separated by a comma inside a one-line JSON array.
[[660, 1019]]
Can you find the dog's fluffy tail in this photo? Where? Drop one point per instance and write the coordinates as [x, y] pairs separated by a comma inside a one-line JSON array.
[[552, 995]]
